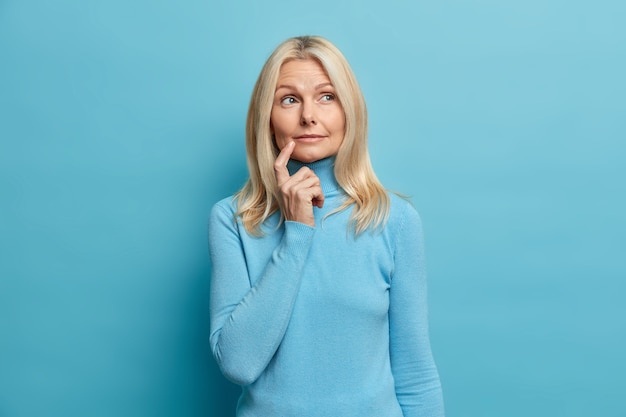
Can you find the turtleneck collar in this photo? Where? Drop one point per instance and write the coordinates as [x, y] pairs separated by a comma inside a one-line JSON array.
[[324, 169]]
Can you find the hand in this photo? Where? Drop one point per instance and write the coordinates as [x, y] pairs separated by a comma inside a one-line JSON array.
[[300, 192]]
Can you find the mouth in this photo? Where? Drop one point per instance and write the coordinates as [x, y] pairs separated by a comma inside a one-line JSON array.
[[309, 138]]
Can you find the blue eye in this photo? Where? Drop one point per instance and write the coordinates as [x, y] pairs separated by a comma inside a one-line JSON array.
[[328, 97], [288, 100]]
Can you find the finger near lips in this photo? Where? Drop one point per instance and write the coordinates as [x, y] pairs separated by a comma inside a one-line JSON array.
[[286, 152], [303, 180], [280, 165]]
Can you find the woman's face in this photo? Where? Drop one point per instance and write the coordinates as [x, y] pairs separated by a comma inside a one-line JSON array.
[[307, 111]]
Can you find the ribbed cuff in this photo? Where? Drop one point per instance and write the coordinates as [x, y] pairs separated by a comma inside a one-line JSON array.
[[298, 234]]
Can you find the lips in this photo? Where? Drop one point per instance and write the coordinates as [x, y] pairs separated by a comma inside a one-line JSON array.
[[309, 137]]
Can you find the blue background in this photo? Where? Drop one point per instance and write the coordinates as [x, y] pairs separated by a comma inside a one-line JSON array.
[[121, 123]]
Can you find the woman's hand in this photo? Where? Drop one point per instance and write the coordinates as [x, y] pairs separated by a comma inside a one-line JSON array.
[[300, 192]]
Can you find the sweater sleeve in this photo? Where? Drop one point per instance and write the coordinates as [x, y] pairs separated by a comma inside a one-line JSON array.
[[248, 322], [418, 387]]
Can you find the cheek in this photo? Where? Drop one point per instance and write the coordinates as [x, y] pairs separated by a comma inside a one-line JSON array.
[[340, 123], [339, 120], [278, 132], [278, 124]]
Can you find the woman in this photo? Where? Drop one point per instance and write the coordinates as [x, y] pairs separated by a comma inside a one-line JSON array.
[[318, 289]]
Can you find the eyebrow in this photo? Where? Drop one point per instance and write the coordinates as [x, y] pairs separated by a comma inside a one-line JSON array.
[[291, 87]]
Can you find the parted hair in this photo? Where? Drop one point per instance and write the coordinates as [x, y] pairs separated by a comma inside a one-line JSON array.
[[260, 196]]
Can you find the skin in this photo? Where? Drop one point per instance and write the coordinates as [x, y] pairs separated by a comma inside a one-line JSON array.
[[308, 123]]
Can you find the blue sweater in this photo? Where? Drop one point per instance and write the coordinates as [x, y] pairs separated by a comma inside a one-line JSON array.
[[313, 322]]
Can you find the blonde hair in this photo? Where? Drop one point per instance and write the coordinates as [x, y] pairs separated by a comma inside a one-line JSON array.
[[260, 196]]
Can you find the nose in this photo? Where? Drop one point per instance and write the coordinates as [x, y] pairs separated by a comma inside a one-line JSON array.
[[307, 117]]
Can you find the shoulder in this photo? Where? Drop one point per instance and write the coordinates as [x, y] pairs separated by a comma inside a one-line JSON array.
[[223, 214], [226, 206], [404, 224], [404, 230], [402, 213]]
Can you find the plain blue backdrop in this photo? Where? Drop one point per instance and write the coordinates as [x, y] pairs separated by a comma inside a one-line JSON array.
[[122, 122]]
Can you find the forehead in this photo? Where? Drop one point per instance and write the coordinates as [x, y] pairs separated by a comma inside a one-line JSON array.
[[302, 70]]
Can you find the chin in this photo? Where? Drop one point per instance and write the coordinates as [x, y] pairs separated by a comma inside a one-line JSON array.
[[307, 158]]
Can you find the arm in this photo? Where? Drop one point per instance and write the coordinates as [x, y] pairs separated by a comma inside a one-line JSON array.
[[248, 322], [416, 378]]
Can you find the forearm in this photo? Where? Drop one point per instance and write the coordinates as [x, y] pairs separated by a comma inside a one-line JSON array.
[[248, 322]]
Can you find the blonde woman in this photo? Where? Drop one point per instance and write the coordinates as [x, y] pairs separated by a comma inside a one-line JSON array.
[[318, 288]]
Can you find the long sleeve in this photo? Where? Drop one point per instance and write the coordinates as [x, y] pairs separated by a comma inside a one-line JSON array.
[[417, 383], [248, 321]]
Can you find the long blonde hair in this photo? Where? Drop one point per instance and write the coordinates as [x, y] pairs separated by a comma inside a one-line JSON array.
[[260, 197]]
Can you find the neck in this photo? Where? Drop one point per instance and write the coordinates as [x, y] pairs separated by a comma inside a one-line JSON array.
[[324, 169]]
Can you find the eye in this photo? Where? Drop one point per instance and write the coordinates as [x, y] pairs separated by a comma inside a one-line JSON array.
[[327, 97], [288, 100]]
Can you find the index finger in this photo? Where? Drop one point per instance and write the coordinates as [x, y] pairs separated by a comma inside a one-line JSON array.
[[280, 165]]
